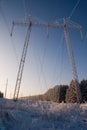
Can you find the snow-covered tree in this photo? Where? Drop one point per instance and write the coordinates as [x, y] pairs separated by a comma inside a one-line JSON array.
[[73, 93]]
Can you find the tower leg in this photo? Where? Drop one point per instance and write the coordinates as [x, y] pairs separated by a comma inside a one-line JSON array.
[[72, 62]]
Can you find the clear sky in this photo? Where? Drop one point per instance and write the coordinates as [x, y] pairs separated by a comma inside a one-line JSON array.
[[47, 62]]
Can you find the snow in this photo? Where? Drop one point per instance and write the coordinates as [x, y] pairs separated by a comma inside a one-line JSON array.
[[42, 115]]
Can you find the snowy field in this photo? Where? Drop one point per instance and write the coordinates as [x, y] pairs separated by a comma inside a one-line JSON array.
[[30, 115]]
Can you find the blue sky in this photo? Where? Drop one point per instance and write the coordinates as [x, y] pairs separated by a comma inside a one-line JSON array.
[[47, 62]]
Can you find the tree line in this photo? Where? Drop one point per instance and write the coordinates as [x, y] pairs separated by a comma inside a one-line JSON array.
[[63, 93]]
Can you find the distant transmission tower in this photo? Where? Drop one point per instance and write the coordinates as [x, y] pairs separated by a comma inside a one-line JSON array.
[[65, 24], [6, 88]]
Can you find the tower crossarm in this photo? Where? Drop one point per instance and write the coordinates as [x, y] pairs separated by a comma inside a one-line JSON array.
[[46, 24], [60, 24]]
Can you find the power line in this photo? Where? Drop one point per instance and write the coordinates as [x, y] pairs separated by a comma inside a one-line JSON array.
[[59, 50], [25, 9], [41, 63], [61, 62], [8, 29], [41, 68], [74, 9]]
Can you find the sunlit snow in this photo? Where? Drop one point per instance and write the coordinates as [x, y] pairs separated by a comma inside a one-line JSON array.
[[31, 115]]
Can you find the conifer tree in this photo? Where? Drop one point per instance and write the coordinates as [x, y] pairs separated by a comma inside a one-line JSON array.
[[73, 94]]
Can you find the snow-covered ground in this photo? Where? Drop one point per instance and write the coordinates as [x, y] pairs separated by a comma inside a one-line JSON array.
[[31, 115]]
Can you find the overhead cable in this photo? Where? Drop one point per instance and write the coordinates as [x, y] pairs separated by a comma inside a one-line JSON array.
[[74, 9]]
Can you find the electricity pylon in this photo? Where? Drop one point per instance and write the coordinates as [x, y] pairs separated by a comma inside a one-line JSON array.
[[65, 24], [6, 88]]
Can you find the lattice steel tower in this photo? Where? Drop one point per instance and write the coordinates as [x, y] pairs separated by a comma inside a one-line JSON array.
[[64, 24]]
